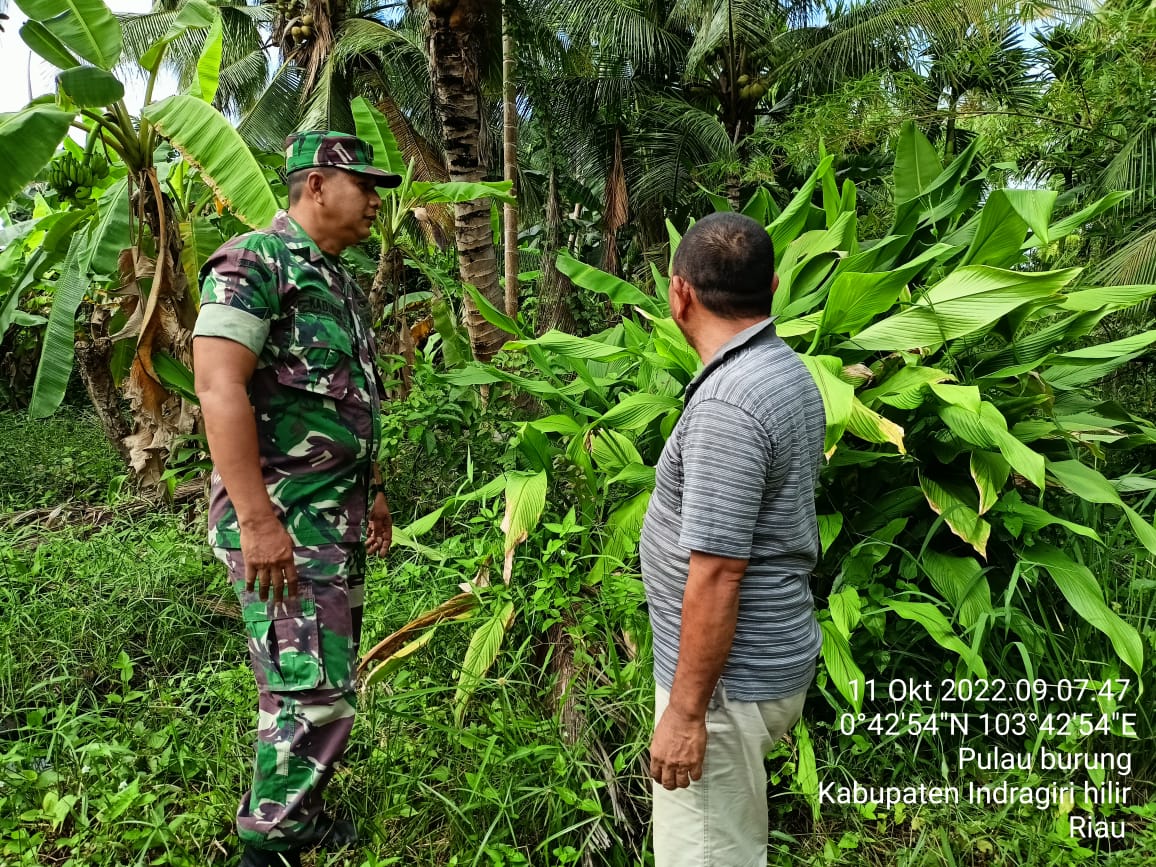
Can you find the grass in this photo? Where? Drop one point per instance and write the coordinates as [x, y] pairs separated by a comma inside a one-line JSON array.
[[126, 714]]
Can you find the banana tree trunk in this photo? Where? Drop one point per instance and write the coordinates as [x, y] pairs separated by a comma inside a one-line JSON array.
[[453, 28], [159, 416]]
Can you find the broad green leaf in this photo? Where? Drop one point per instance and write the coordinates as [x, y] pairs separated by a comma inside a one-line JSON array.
[[208, 141], [617, 290], [967, 300], [175, 376], [89, 86], [988, 429], [872, 427], [634, 476], [963, 520], [480, 655], [1077, 220], [990, 472], [28, 139], [1065, 377], [620, 536], [612, 451], [209, 63], [1113, 350], [842, 670], [721, 204], [58, 350], [838, 396], [562, 424], [495, 316], [635, 411], [904, 388], [109, 232], [374, 128], [201, 238], [807, 769], [45, 43], [1000, 234], [787, 226], [27, 320], [846, 609], [1034, 208], [1083, 593], [422, 525], [758, 207], [569, 346], [965, 396], [86, 27], [463, 191], [916, 164], [829, 528], [933, 620], [853, 300], [1085, 482], [1034, 518], [525, 500], [1109, 297], [962, 583]]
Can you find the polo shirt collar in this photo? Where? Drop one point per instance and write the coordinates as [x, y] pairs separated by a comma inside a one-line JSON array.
[[764, 330]]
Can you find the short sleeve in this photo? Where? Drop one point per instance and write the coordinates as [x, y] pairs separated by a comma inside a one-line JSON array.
[[239, 295], [726, 460]]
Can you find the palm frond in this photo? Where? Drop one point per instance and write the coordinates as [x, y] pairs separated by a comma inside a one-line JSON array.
[[1132, 263], [274, 114]]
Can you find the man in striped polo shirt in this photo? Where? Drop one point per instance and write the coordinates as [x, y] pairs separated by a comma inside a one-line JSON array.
[[728, 545]]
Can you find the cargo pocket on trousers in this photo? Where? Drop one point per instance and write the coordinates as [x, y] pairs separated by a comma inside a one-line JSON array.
[[284, 640]]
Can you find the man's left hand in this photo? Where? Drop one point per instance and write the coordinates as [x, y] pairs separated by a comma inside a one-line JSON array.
[[380, 535], [677, 750]]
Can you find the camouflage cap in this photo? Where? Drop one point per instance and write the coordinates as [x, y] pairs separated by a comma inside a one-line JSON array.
[[339, 150]]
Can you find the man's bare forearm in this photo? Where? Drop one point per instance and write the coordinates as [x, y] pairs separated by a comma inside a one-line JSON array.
[[710, 608], [232, 434]]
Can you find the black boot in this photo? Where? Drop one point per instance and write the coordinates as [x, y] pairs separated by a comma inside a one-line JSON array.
[[330, 833], [253, 857]]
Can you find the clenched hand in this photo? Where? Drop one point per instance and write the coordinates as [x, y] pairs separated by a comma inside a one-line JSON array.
[[677, 750]]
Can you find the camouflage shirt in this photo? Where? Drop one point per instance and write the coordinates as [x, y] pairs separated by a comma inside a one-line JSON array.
[[316, 392]]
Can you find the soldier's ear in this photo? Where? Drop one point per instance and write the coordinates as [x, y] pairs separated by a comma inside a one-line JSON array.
[[314, 184]]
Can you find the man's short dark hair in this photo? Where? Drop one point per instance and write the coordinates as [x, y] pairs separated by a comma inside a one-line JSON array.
[[729, 260], [296, 181]]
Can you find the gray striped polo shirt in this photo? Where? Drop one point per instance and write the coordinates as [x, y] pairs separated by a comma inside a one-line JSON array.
[[737, 478]]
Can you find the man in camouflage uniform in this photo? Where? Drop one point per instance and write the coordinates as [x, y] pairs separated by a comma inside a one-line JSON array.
[[285, 372]]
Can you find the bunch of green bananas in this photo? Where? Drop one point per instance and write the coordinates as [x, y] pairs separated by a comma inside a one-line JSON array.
[[73, 179]]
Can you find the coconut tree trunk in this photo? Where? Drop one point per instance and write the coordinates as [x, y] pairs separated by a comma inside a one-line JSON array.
[[453, 29], [510, 159]]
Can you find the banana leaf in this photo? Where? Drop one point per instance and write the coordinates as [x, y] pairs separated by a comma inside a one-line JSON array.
[[86, 27], [207, 140]]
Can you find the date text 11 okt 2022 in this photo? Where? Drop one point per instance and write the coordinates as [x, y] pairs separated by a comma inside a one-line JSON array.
[[993, 690]]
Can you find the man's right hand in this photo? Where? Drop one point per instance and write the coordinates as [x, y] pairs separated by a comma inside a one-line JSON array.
[[268, 553]]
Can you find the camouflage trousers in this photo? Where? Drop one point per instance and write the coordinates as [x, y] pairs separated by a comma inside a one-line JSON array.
[[304, 657]]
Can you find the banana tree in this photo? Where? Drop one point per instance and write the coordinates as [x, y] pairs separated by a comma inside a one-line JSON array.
[[125, 254]]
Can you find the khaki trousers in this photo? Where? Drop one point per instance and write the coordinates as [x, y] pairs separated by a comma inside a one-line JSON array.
[[721, 819]]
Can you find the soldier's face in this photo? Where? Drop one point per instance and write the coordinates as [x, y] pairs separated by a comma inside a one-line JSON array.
[[351, 205]]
